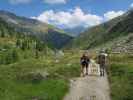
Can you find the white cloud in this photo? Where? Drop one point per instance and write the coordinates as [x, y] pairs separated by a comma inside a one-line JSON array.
[[19, 1], [55, 1], [131, 5], [69, 19], [112, 14]]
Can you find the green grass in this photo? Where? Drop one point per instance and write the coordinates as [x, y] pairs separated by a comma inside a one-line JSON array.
[[121, 77], [45, 90], [26, 80], [21, 80], [29, 78]]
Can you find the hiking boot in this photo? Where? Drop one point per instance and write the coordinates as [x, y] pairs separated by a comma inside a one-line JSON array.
[[86, 73]]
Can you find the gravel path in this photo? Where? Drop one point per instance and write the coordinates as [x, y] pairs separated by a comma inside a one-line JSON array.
[[92, 87]]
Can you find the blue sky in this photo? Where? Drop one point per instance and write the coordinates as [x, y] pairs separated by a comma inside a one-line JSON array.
[[68, 13]]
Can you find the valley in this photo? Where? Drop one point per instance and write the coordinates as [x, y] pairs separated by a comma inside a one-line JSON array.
[[38, 60]]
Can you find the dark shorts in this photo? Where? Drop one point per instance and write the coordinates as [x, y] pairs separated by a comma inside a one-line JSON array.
[[84, 64], [102, 66]]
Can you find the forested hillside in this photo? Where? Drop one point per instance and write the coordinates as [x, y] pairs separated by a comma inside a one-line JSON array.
[[15, 45], [39, 29]]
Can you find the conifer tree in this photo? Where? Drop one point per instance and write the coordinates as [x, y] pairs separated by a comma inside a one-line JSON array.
[[18, 43], [14, 56]]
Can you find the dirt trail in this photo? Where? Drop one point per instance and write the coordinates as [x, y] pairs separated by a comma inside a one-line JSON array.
[[92, 87]]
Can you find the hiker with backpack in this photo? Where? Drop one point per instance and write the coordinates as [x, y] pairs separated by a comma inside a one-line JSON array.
[[102, 57], [84, 60]]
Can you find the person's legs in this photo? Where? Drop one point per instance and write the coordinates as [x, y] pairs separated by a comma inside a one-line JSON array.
[[86, 69], [101, 71], [82, 70]]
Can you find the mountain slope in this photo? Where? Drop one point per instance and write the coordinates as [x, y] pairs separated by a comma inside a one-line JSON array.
[[16, 46], [37, 28], [106, 32], [75, 31]]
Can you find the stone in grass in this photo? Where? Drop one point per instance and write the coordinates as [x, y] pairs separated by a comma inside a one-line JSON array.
[[33, 77]]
